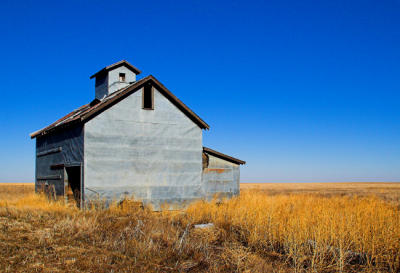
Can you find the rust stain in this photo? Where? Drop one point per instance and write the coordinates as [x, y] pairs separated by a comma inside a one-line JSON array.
[[215, 170]]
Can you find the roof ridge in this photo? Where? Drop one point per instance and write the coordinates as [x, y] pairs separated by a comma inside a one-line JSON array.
[[84, 113], [115, 65]]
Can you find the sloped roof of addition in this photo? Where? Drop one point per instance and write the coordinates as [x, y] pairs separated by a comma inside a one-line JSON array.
[[89, 111], [223, 156], [115, 65]]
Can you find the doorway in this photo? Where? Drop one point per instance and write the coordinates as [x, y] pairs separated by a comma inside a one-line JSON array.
[[73, 185]]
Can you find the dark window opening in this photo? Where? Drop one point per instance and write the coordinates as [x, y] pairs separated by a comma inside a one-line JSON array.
[[121, 77], [206, 161], [148, 100], [73, 187]]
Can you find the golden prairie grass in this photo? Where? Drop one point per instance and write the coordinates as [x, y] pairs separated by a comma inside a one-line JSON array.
[[313, 232], [12, 191], [255, 232], [384, 190]]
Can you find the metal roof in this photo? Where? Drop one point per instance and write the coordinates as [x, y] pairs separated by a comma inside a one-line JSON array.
[[115, 65], [89, 111], [223, 156]]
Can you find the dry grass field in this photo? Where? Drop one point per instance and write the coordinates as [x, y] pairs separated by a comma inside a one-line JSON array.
[[335, 227], [386, 191]]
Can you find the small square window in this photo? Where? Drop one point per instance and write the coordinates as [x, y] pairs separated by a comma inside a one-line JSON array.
[[121, 77]]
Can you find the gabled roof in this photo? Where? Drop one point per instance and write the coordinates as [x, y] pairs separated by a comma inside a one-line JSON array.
[[117, 64], [89, 111], [223, 156]]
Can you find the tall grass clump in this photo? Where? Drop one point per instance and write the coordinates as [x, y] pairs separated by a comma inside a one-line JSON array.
[[312, 232]]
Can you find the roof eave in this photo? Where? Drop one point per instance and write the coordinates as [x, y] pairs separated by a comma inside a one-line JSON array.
[[115, 65], [223, 156], [202, 124], [43, 132], [136, 86], [97, 108]]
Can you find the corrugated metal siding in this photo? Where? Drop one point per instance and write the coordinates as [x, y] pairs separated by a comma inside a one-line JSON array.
[[153, 154], [221, 178], [62, 147]]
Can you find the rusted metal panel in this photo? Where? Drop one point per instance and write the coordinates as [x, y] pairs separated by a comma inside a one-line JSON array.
[[219, 171], [221, 177]]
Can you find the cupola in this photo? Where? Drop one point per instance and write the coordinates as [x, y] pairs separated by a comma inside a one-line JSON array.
[[114, 77]]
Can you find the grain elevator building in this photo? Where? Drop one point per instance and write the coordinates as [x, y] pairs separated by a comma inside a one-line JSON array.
[[135, 138]]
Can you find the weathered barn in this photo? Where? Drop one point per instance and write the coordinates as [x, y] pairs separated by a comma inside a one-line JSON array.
[[135, 138]]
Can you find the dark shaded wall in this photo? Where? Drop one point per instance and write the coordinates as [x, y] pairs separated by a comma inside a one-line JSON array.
[[61, 147]]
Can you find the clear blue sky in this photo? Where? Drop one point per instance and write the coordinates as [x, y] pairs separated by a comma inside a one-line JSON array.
[[301, 90]]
